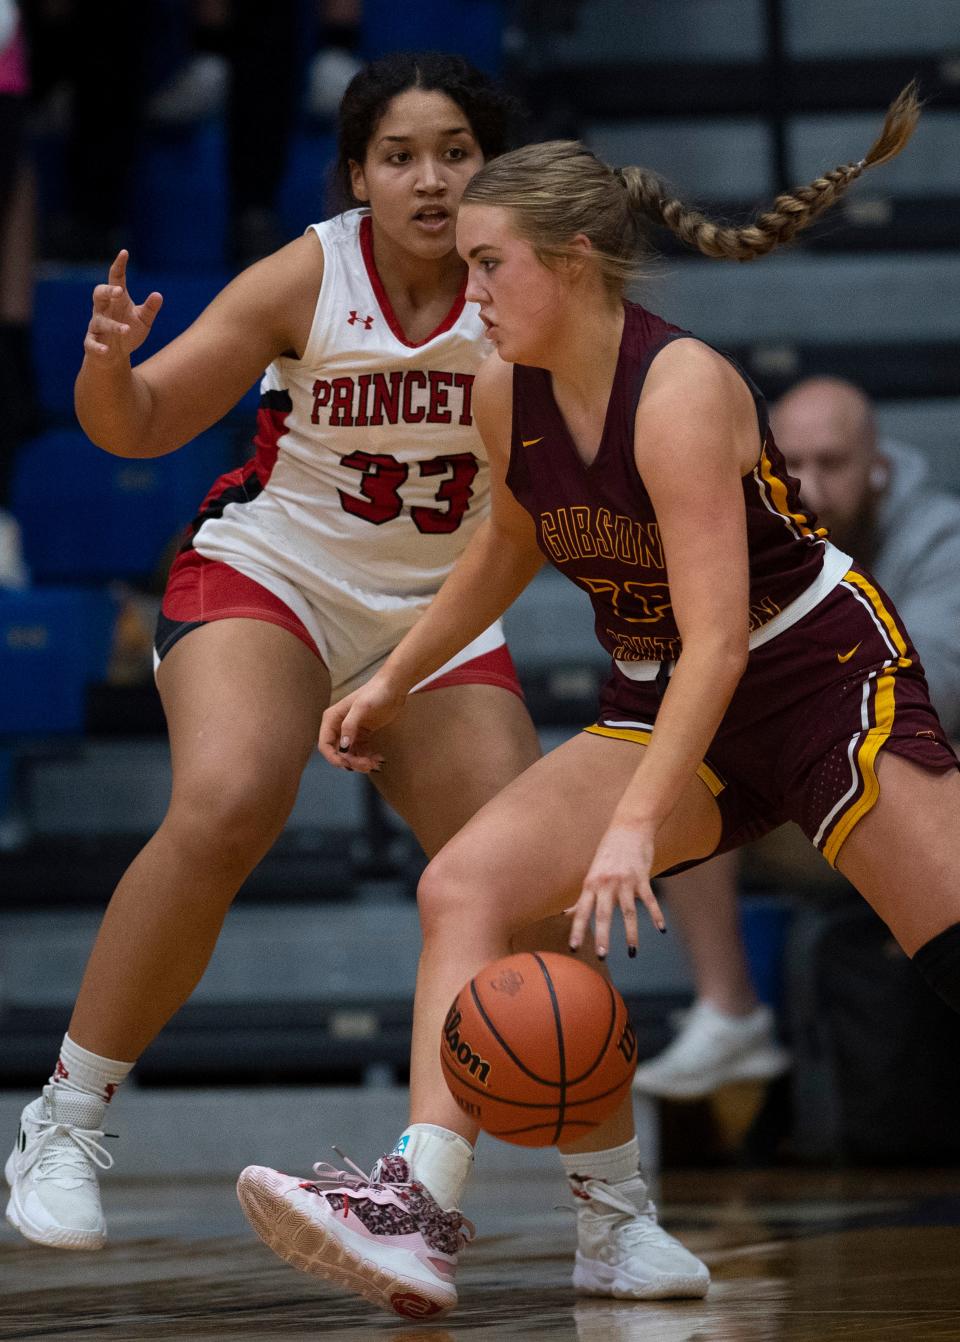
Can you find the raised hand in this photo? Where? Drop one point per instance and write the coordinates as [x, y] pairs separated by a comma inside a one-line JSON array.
[[118, 326]]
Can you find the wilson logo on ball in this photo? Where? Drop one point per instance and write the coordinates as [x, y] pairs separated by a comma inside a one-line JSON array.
[[461, 1050], [560, 1047]]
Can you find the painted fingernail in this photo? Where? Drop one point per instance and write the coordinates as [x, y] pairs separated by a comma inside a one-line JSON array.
[[663, 930], [573, 949], [601, 953], [632, 951]]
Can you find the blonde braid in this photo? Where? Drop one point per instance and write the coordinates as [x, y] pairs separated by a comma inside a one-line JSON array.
[[790, 212]]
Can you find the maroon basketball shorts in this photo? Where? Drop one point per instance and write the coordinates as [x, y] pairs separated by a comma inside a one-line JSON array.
[[201, 590], [800, 738]]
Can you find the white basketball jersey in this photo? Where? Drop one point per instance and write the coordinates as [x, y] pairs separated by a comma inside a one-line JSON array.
[[369, 477]]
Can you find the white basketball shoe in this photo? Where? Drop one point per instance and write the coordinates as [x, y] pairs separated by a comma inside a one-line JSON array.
[[381, 1235], [54, 1195], [711, 1050], [623, 1251]]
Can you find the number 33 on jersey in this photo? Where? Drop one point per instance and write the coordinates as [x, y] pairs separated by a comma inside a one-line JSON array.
[[368, 464]]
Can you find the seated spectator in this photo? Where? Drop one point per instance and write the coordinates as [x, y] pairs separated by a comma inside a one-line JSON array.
[[882, 507]]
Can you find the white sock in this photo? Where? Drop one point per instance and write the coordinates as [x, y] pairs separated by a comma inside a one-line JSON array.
[[439, 1159], [613, 1166], [78, 1069]]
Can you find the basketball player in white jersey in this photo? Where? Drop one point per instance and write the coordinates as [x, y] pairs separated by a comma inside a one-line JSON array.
[[301, 571]]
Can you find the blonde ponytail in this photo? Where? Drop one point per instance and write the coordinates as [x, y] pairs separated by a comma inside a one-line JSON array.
[[790, 213], [559, 190]]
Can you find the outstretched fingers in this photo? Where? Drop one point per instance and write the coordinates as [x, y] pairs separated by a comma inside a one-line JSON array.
[[599, 899], [619, 876], [117, 325]]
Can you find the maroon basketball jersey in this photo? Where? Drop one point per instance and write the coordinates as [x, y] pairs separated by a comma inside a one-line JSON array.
[[597, 525]]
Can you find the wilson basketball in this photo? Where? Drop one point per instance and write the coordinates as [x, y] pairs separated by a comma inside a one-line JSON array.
[[538, 1049]]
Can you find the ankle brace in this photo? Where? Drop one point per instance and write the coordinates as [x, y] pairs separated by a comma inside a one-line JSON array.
[[439, 1159], [939, 963]]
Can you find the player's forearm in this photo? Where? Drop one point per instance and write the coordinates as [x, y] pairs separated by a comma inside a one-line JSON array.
[[699, 693], [490, 574], [115, 408]]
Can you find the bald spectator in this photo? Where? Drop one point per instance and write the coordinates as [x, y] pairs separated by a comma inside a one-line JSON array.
[[882, 507]]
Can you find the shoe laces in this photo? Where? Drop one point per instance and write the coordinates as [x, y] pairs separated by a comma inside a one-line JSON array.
[[632, 1224], [388, 1182], [598, 1190], [329, 1178], [63, 1151]]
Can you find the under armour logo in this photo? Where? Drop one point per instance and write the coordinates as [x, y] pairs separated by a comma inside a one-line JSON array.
[[355, 317]]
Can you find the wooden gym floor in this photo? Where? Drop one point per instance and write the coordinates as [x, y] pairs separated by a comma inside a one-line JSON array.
[[803, 1256]]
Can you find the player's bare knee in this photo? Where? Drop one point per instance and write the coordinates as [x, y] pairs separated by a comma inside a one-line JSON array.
[[449, 892], [237, 818]]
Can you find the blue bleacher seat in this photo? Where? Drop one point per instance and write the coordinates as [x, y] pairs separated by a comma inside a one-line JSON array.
[[472, 27], [306, 194], [87, 516], [180, 199], [53, 642]]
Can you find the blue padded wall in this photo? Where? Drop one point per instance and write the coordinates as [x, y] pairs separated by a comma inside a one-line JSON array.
[[53, 642], [87, 516]]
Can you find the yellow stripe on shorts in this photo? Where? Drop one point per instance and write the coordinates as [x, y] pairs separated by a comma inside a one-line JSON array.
[[642, 737], [884, 707], [881, 612]]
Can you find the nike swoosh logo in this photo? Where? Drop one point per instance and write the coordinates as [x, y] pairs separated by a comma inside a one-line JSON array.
[[531, 442], [845, 656]]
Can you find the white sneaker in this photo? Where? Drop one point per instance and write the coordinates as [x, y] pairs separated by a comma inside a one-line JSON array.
[[54, 1196], [622, 1251], [712, 1049], [381, 1235]]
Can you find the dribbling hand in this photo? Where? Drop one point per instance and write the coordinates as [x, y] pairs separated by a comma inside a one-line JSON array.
[[118, 326], [348, 725], [619, 875]]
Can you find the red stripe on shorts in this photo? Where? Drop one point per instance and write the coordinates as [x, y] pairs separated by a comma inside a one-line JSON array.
[[489, 668], [201, 590]]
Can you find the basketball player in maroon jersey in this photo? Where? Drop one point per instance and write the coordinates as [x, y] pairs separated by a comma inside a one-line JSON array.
[[757, 674], [364, 436]]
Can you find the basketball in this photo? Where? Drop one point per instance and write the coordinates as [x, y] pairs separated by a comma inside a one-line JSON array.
[[538, 1049]]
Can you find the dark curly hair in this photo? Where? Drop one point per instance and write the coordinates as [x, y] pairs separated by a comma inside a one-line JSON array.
[[487, 107]]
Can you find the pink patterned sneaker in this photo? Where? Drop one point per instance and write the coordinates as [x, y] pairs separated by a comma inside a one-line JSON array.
[[381, 1235]]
